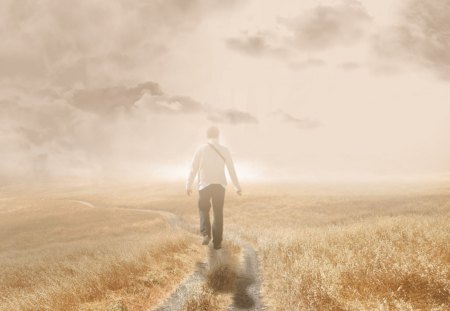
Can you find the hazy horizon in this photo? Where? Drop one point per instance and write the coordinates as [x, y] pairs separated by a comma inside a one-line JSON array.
[[317, 90]]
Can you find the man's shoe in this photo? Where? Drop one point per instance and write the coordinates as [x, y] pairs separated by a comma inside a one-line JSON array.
[[206, 240], [218, 246]]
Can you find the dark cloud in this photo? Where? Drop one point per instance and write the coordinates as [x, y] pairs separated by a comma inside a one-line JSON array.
[[314, 30], [40, 135], [35, 136], [33, 126], [252, 45], [91, 130], [300, 123], [259, 44], [326, 26], [69, 43], [171, 104], [263, 44], [422, 36], [147, 96], [106, 101], [232, 116]]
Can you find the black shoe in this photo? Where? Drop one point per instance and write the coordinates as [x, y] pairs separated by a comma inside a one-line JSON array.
[[218, 246], [206, 240]]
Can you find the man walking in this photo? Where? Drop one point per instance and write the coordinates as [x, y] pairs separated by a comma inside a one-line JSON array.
[[209, 163]]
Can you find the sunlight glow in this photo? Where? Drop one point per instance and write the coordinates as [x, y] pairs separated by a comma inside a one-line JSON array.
[[246, 171]]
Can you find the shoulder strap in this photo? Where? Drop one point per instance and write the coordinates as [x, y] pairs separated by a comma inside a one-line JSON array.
[[218, 152]]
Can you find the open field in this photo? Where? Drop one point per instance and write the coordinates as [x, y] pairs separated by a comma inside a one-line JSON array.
[[101, 246]]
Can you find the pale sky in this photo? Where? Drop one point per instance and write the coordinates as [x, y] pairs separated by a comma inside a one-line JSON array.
[[300, 89]]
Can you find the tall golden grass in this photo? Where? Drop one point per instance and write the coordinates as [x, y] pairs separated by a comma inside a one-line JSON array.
[[390, 263], [371, 249], [57, 254], [320, 247]]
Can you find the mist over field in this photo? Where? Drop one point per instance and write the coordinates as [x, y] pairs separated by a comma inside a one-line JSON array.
[[310, 90], [336, 114]]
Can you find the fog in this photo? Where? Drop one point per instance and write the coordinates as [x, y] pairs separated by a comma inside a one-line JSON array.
[[300, 91]]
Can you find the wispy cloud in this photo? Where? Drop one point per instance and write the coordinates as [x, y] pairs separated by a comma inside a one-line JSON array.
[[259, 44], [421, 36], [299, 123], [106, 101], [296, 40], [232, 116], [149, 98], [167, 104], [326, 26], [70, 43]]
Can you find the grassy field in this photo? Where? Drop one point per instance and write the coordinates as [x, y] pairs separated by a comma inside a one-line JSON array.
[[368, 248], [101, 246]]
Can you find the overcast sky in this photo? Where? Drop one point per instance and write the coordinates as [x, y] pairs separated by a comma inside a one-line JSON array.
[[299, 89]]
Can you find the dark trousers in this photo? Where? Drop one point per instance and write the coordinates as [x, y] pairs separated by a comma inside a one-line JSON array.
[[214, 193]]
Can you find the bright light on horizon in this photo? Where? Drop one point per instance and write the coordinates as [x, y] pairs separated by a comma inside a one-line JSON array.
[[246, 171]]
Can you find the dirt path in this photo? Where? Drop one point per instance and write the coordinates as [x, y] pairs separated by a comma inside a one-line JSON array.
[[188, 287], [247, 294], [247, 289], [173, 220]]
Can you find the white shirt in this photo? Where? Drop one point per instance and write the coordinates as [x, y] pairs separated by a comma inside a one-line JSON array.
[[210, 166]]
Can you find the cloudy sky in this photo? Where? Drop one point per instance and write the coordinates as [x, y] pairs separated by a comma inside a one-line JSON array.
[[300, 89]]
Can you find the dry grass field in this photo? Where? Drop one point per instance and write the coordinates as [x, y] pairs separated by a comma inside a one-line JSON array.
[[374, 248], [101, 246]]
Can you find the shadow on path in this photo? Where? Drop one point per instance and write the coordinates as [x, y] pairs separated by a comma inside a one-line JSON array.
[[248, 284]]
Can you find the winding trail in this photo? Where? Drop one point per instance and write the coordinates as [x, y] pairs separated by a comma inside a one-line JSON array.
[[173, 220], [247, 289]]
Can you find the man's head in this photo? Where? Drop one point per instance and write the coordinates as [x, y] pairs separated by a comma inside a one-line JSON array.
[[212, 132]]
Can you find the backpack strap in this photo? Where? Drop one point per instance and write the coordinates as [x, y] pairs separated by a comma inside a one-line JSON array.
[[218, 152]]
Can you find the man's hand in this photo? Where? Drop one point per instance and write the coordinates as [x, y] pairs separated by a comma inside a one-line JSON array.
[[189, 191], [239, 192]]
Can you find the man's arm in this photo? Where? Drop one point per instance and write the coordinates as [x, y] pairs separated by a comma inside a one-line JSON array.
[[232, 172], [193, 172]]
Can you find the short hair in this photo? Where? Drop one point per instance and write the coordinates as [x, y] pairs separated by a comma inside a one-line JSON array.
[[212, 132]]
